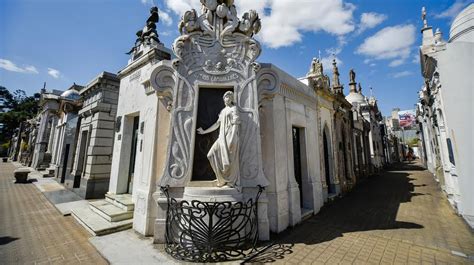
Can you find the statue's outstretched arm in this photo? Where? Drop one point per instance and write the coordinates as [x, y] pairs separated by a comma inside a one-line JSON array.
[[213, 127]]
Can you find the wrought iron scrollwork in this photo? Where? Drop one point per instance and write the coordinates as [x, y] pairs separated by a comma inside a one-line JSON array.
[[211, 231]]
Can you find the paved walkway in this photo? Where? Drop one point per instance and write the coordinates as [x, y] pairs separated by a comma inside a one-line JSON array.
[[32, 231], [399, 217]]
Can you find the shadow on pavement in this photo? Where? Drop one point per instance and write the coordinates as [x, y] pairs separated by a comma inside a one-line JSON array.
[[4, 240], [270, 253], [372, 205]]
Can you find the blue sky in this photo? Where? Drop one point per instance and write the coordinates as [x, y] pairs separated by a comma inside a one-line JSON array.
[[64, 41]]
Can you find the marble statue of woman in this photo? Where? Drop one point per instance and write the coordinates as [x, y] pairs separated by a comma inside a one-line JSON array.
[[224, 153]]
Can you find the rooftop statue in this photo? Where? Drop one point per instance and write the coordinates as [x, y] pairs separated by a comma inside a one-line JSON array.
[[352, 76], [316, 67], [148, 35]]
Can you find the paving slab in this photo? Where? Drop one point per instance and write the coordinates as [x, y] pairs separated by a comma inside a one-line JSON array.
[[126, 247], [66, 207]]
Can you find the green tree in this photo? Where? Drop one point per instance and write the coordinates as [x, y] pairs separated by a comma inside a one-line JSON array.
[[15, 108]]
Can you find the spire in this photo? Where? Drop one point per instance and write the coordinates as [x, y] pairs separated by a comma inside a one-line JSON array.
[[423, 17], [360, 88], [336, 84]]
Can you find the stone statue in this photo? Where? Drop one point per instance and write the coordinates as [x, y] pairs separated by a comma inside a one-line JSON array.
[[224, 153], [352, 76], [250, 23], [188, 22], [316, 67], [148, 34]]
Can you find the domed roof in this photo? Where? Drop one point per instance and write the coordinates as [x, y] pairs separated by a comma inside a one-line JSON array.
[[355, 97], [71, 94], [462, 28]]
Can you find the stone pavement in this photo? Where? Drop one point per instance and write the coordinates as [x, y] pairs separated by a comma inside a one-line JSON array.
[[32, 231], [399, 217]]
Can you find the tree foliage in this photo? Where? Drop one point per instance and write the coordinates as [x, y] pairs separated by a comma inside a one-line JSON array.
[[15, 108]]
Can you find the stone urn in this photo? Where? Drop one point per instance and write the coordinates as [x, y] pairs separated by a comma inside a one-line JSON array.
[[21, 175]]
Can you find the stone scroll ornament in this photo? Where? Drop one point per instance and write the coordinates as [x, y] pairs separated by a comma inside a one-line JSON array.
[[215, 49]]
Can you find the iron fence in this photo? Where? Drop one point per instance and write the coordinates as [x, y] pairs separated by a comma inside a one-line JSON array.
[[211, 231]]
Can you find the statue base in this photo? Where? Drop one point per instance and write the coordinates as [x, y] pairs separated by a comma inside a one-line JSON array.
[[212, 194]]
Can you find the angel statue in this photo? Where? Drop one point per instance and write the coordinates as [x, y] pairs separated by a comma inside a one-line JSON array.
[[224, 153]]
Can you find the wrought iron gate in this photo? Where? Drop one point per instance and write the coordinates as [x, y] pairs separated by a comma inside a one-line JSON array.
[[211, 231]]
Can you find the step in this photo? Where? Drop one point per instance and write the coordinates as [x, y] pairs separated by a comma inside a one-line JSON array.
[[123, 201], [306, 214], [109, 211], [96, 225]]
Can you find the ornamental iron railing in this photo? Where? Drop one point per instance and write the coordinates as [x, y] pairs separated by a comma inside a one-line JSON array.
[[199, 231]]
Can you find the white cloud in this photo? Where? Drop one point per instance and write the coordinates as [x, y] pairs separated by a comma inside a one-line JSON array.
[[396, 62], [284, 22], [453, 10], [370, 20], [327, 63], [389, 43], [416, 58], [165, 18], [179, 7], [10, 66], [147, 2], [31, 69], [401, 74], [54, 73]]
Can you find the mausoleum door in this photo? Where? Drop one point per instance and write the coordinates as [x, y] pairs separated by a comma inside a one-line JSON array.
[[327, 167], [133, 154], [297, 161], [64, 163], [210, 104]]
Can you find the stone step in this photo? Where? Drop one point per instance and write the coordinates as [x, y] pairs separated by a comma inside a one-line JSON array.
[[306, 214], [109, 211], [123, 201], [96, 225]]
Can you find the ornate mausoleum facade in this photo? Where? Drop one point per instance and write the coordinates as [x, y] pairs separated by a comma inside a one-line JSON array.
[[206, 125]]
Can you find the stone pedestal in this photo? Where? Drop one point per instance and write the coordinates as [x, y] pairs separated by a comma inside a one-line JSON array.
[[21, 175], [212, 194]]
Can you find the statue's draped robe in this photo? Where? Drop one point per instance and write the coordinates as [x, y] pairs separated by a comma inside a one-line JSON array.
[[224, 153]]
